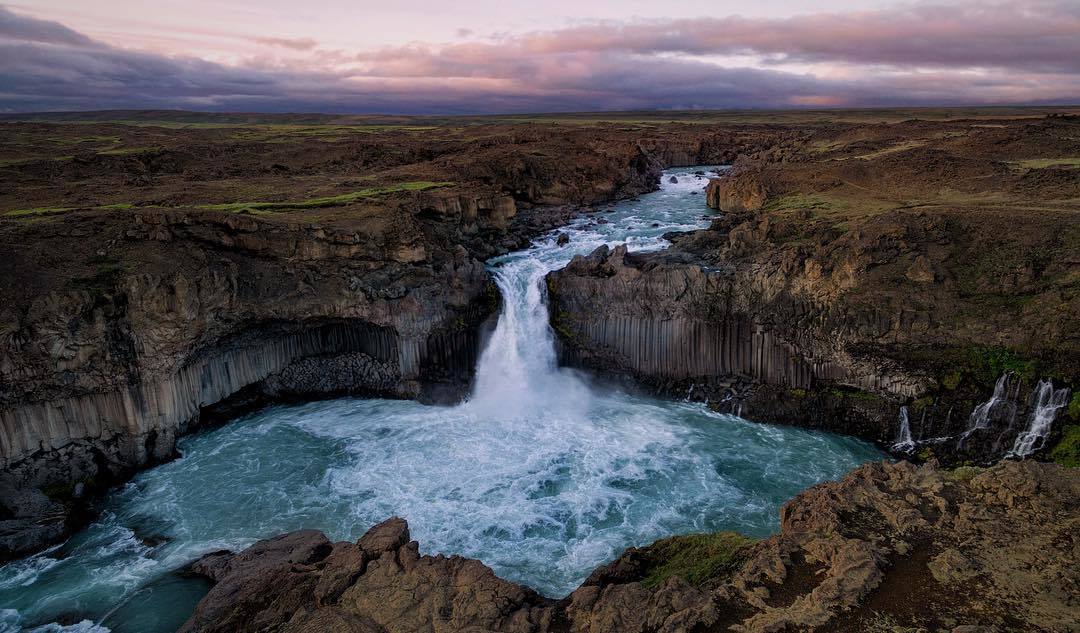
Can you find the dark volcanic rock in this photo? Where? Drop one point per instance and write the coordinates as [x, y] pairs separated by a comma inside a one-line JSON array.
[[28, 519], [380, 583], [889, 543], [672, 322]]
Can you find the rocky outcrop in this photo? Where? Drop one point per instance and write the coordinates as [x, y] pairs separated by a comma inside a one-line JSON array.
[[747, 342], [888, 545], [737, 192], [303, 582]]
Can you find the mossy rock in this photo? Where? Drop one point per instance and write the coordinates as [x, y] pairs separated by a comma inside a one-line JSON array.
[[991, 362], [922, 403], [1067, 450], [952, 380], [963, 474], [696, 558]]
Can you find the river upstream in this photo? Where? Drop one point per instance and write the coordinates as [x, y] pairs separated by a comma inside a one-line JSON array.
[[538, 475]]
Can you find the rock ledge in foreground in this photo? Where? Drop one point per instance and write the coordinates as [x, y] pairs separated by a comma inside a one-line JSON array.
[[889, 545]]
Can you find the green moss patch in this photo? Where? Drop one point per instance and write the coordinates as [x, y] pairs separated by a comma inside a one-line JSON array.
[[1067, 450], [991, 362], [696, 558], [328, 201], [122, 206], [951, 380]]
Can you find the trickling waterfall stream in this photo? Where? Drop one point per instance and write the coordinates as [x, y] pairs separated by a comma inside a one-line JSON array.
[[904, 443], [980, 416], [538, 474], [1047, 403]]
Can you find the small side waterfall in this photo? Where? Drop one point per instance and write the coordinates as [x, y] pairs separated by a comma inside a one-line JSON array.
[[904, 442], [980, 417], [1046, 404]]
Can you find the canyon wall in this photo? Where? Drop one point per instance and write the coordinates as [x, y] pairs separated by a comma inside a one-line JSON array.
[[124, 330], [205, 315], [691, 330]]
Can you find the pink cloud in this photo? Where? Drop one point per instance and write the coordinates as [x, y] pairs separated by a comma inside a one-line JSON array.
[[1026, 51], [1039, 35], [297, 44]]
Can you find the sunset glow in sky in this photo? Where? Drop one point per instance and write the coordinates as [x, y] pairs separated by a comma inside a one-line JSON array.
[[481, 56]]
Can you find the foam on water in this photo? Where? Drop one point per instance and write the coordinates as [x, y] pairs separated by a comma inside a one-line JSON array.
[[538, 475]]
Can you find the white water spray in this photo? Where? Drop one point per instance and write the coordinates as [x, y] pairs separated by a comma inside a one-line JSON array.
[[518, 373], [1045, 407]]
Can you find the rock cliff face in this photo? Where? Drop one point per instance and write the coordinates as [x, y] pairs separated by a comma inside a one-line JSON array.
[[102, 376], [820, 297], [890, 545], [689, 328]]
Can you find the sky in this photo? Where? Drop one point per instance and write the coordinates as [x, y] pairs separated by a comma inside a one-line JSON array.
[[503, 56]]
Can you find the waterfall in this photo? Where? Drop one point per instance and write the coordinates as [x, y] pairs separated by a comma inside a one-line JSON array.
[[980, 417], [518, 373], [904, 443], [1047, 402]]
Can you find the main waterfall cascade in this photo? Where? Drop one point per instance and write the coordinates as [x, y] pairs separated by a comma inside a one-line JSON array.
[[537, 474]]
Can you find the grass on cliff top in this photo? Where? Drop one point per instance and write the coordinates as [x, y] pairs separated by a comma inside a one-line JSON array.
[[80, 140], [288, 132], [328, 201], [892, 149], [11, 162], [696, 558], [36, 211], [794, 202]]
